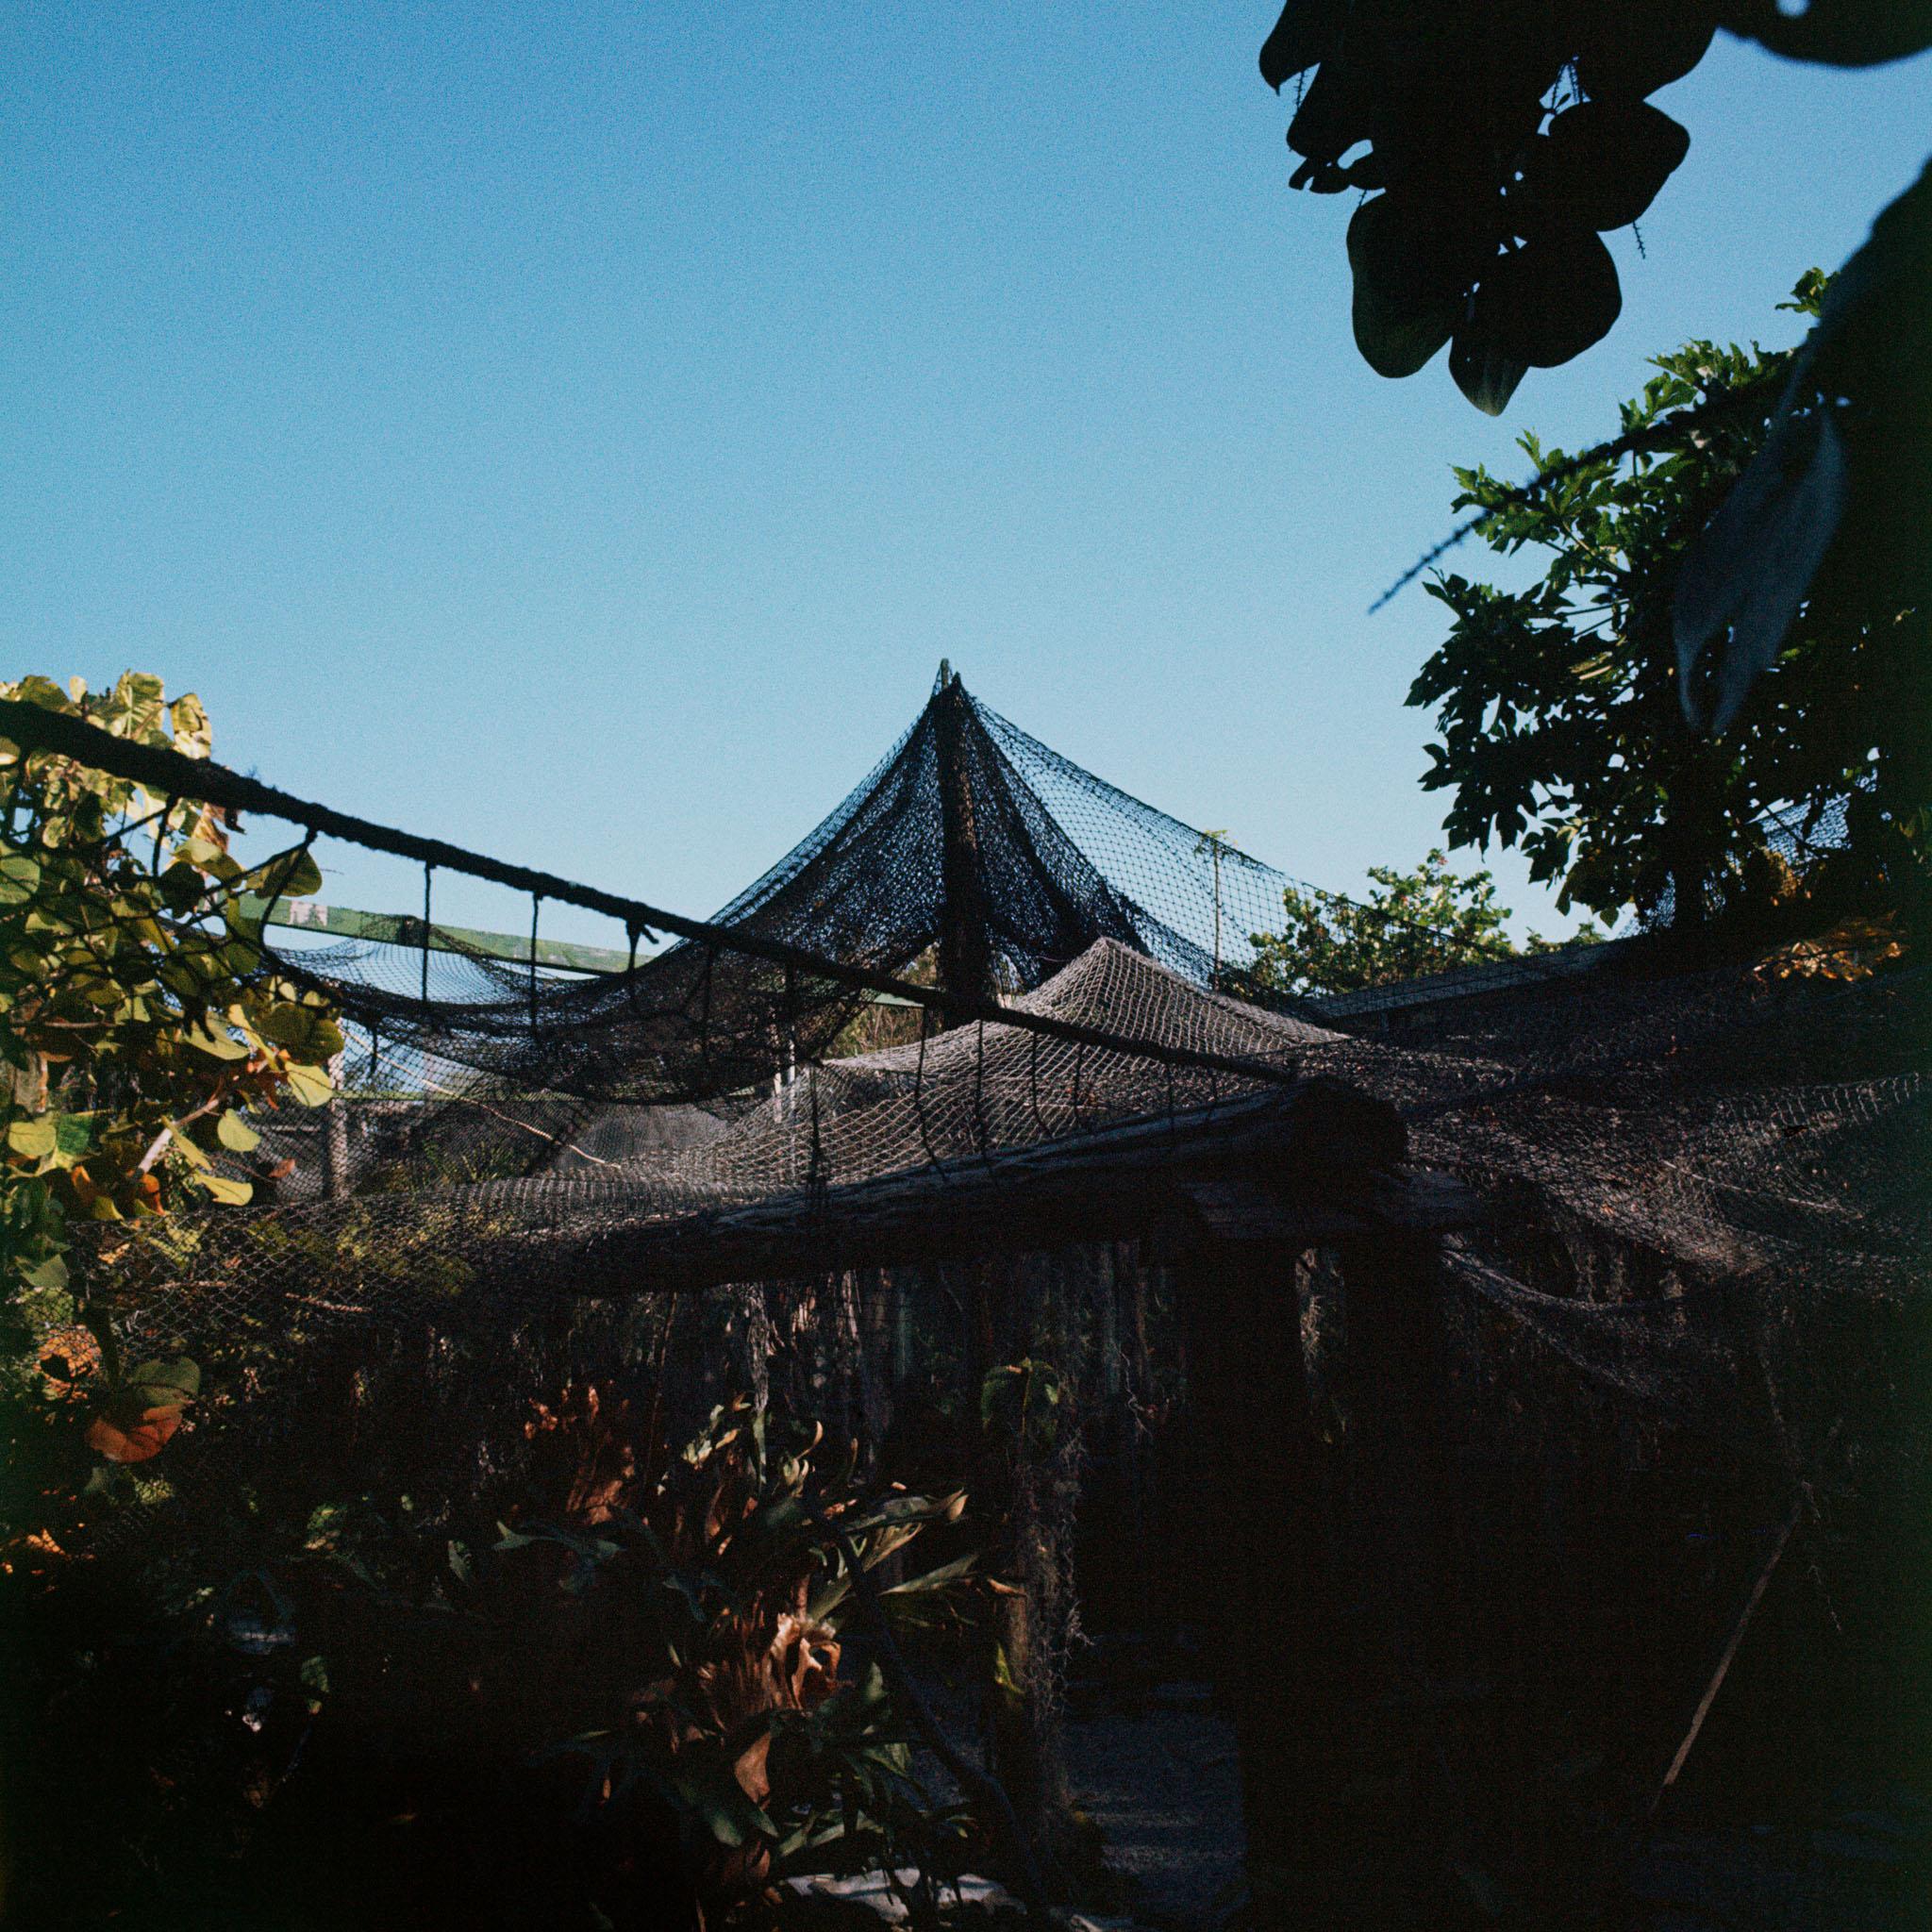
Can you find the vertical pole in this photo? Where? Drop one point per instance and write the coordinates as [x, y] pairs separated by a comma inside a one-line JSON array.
[[965, 948], [1106, 1292], [1146, 1455], [1396, 1349], [879, 1293], [1210, 842], [1398, 1555], [335, 1156], [1022, 1713], [1022, 1718], [903, 1282], [1259, 1502], [1215, 981]]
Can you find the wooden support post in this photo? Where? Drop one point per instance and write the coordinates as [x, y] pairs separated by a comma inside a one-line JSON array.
[[1325, 1558], [1262, 1494], [1396, 1360], [335, 1146], [1396, 1340], [1395, 1588], [965, 947], [1005, 1301], [1028, 1753], [1099, 1261], [879, 1295]]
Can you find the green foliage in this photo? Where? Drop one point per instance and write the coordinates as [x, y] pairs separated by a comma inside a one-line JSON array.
[[1026, 1404], [729, 1591], [1560, 708], [609, 1678], [138, 1023], [1425, 921]]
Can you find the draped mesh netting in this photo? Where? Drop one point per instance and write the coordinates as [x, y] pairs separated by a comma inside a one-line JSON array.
[[1055, 860], [1693, 1179]]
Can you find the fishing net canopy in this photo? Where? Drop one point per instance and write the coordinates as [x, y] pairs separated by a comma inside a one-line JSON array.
[[1689, 1285], [1682, 1169]]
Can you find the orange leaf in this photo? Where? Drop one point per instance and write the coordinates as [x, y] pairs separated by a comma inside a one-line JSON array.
[[133, 1441]]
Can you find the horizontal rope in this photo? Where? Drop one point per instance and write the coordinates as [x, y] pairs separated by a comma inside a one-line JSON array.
[[167, 772]]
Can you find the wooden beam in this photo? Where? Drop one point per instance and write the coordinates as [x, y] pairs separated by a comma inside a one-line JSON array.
[[1249, 1208], [1263, 1487], [1325, 1158]]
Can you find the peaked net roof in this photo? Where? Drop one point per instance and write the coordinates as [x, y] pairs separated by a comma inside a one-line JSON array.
[[1733, 1119], [1065, 859], [1058, 861]]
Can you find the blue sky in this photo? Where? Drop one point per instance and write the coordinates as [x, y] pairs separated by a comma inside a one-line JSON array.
[[579, 430]]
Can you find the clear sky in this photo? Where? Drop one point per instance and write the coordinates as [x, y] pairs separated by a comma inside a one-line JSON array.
[[578, 430]]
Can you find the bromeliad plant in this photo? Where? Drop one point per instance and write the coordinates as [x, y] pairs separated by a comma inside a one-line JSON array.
[[720, 1587]]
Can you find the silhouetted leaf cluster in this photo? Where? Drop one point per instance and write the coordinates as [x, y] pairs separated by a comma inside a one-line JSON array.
[[1497, 143]]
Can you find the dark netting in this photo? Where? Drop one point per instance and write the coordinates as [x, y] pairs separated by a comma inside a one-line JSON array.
[[1691, 1286], [1195, 901], [1727, 1122], [1046, 860], [1676, 1169], [869, 887]]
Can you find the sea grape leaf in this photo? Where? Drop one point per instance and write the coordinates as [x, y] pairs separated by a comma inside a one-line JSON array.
[[1551, 299], [1841, 33], [174, 1379], [34, 1138], [221, 1046], [1600, 164], [1409, 281], [309, 1086], [1633, 48], [1481, 369], [18, 877], [1306, 33], [133, 1437]]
